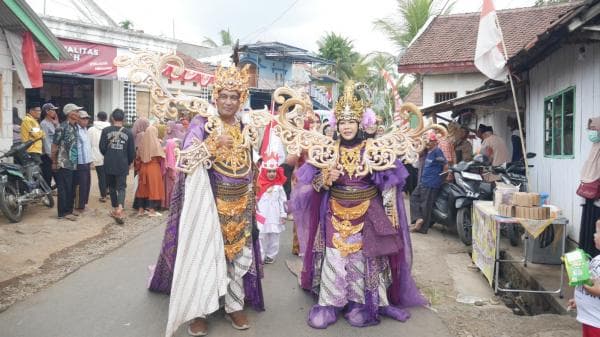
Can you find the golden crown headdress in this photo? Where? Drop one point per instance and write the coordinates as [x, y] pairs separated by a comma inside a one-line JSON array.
[[230, 78], [350, 106]]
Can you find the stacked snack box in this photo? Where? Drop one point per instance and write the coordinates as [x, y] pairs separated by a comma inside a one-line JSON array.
[[527, 206], [524, 205]]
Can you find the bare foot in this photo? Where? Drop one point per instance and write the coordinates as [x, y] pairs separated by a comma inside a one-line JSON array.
[[417, 226], [198, 327]]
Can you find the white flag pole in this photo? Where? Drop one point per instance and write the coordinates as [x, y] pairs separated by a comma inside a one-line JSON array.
[[514, 95]]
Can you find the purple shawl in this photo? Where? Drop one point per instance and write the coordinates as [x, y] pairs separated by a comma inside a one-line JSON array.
[[163, 274], [309, 208]]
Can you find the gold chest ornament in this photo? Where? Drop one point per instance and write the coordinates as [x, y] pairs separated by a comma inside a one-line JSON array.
[[350, 159], [232, 162]]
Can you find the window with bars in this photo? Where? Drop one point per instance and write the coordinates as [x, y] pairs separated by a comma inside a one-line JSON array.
[[129, 102], [444, 96], [205, 93], [559, 118]]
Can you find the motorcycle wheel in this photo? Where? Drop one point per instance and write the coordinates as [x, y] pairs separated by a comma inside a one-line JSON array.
[[464, 227], [9, 204]]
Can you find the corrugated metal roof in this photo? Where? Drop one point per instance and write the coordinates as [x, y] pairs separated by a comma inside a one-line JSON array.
[[17, 16]]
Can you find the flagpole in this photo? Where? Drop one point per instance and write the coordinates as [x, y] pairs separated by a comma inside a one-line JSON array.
[[514, 95]]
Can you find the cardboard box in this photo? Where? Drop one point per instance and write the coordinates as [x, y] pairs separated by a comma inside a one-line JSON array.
[[521, 212], [506, 210], [534, 213], [525, 199]]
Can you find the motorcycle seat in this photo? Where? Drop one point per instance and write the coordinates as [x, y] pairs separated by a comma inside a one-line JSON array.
[[10, 166]]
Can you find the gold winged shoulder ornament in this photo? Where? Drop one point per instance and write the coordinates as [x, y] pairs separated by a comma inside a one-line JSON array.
[[379, 154], [145, 69]]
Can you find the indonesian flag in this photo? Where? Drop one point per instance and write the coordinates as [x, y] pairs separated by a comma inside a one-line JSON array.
[[271, 142], [25, 58], [489, 58]]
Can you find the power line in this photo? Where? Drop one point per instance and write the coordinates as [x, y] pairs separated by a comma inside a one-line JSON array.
[[266, 27]]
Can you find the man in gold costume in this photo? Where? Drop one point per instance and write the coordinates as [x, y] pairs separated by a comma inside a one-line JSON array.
[[211, 234]]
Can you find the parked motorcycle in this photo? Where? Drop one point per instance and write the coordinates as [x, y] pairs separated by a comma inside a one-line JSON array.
[[453, 205], [21, 185]]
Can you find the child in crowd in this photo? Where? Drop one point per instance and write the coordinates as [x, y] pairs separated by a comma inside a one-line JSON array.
[[587, 298], [270, 211]]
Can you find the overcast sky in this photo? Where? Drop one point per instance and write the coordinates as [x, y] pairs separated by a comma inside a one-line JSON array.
[[296, 22]]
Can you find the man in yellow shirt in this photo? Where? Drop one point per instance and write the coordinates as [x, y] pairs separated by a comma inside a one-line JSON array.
[[30, 129]]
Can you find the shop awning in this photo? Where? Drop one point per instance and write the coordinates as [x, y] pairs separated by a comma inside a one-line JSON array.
[[17, 16], [86, 59]]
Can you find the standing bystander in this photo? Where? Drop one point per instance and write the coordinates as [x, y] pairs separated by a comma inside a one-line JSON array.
[[422, 198], [48, 124], [118, 148], [64, 160], [82, 179], [31, 130], [97, 158]]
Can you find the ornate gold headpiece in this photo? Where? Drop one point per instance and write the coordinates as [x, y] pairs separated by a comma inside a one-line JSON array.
[[230, 78], [349, 107]]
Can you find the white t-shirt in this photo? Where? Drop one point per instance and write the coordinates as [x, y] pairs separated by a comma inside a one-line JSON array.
[[272, 207], [588, 306]]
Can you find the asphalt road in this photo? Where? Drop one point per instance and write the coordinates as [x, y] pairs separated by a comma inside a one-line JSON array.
[[108, 298]]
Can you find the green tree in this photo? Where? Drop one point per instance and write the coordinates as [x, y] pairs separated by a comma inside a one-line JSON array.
[[126, 24], [224, 35], [383, 99], [339, 50], [410, 16]]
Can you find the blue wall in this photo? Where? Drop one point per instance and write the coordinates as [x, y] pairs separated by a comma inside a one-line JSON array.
[[269, 70]]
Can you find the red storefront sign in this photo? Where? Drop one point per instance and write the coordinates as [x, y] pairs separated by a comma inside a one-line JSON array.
[[90, 59]]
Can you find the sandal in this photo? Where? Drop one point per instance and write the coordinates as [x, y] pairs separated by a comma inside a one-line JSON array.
[[155, 214], [118, 218]]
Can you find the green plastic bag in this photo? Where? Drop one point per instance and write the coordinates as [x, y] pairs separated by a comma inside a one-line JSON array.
[[578, 269]]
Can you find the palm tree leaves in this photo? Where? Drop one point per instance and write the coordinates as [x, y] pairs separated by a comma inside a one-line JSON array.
[[410, 17], [224, 35], [339, 49]]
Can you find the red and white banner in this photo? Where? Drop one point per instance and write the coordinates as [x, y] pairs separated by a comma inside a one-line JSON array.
[[391, 85], [189, 75], [489, 58], [91, 59], [25, 59]]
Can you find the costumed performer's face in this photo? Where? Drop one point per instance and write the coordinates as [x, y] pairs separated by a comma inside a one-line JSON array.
[[348, 129], [271, 174], [228, 103]]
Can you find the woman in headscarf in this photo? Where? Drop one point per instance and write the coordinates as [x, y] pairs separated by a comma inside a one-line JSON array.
[[151, 190], [175, 130], [357, 260], [139, 126], [170, 172], [589, 174], [162, 131]]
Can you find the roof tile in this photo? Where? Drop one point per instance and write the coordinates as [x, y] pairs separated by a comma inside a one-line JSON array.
[[451, 39]]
